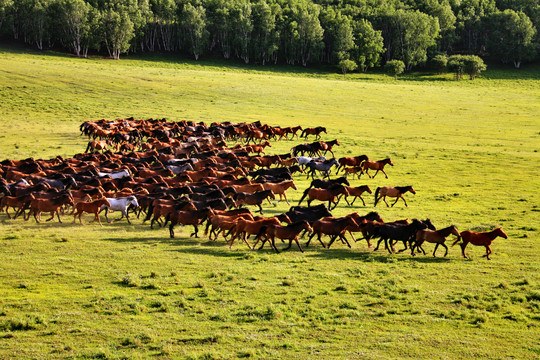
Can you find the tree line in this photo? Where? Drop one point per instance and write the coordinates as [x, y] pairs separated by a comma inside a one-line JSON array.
[[358, 34]]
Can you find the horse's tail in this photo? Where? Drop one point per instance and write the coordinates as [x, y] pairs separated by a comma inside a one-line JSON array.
[[304, 196], [376, 196]]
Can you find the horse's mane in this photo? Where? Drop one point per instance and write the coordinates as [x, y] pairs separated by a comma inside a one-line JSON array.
[[402, 189]]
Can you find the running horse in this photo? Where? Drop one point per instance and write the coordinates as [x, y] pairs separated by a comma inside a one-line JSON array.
[[351, 161], [479, 239], [92, 207], [313, 131], [397, 192], [289, 232], [437, 237], [120, 204], [376, 165], [357, 192]]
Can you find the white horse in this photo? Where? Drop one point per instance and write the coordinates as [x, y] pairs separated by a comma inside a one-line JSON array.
[[120, 204], [117, 174], [179, 169], [304, 160]]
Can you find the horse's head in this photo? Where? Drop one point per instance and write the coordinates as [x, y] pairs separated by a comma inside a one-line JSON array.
[[499, 232], [366, 188], [429, 224], [133, 201], [410, 188], [293, 185]]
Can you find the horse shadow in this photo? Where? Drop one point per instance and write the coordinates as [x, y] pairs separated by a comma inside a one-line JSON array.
[[371, 256]]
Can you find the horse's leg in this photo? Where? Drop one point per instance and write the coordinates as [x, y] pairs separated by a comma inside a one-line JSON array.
[[350, 232], [436, 246], [332, 239], [260, 208], [395, 202], [488, 251], [319, 238], [384, 199], [347, 200], [124, 213], [195, 232], [245, 240], [376, 172], [52, 216], [309, 240], [404, 201], [463, 246], [285, 195], [445, 248], [298, 243], [98, 219], [171, 230], [342, 237], [35, 216], [384, 173], [106, 215]]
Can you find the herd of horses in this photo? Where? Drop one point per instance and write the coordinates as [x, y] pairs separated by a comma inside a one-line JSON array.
[[184, 173]]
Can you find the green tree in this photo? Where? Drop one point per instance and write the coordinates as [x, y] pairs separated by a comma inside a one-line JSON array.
[[161, 25], [368, 45], [347, 65], [117, 30], [415, 33], [511, 37], [5, 8], [74, 21], [456, 64], [394, 67], [302, 32], [439, 62], [194, 26], [264, 37], [338, 35], [240, 15], [473, 65]]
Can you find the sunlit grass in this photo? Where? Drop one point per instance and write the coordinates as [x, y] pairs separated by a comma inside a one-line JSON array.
[[470, 149]]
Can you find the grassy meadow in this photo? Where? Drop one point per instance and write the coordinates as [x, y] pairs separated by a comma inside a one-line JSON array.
[[469, 148]]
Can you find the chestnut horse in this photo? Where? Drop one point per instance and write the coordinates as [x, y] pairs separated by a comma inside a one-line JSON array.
[[37, 206], [376, 165], [397, 192], [92, 207], [280, 188], [357, 192], [434, 236], [479, 239]]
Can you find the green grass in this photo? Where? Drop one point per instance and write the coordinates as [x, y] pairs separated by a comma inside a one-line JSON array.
[[470, 149]]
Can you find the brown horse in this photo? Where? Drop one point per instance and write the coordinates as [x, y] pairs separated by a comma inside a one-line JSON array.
[[257, 198], [351, 161], [37, 206], [280, 188], [313, 131], [329, 195], [376, 165], [252, 227], [355, 170], [224, 221], [91, 207], [333, 227], [479, 239], [289, 232], [357, 192], [187, 218], [397, 192], [437, 237]]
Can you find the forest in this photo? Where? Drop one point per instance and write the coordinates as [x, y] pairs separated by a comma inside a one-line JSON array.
[[358, 34]]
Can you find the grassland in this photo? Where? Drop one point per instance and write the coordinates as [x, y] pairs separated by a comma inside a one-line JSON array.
[[470, 149]]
